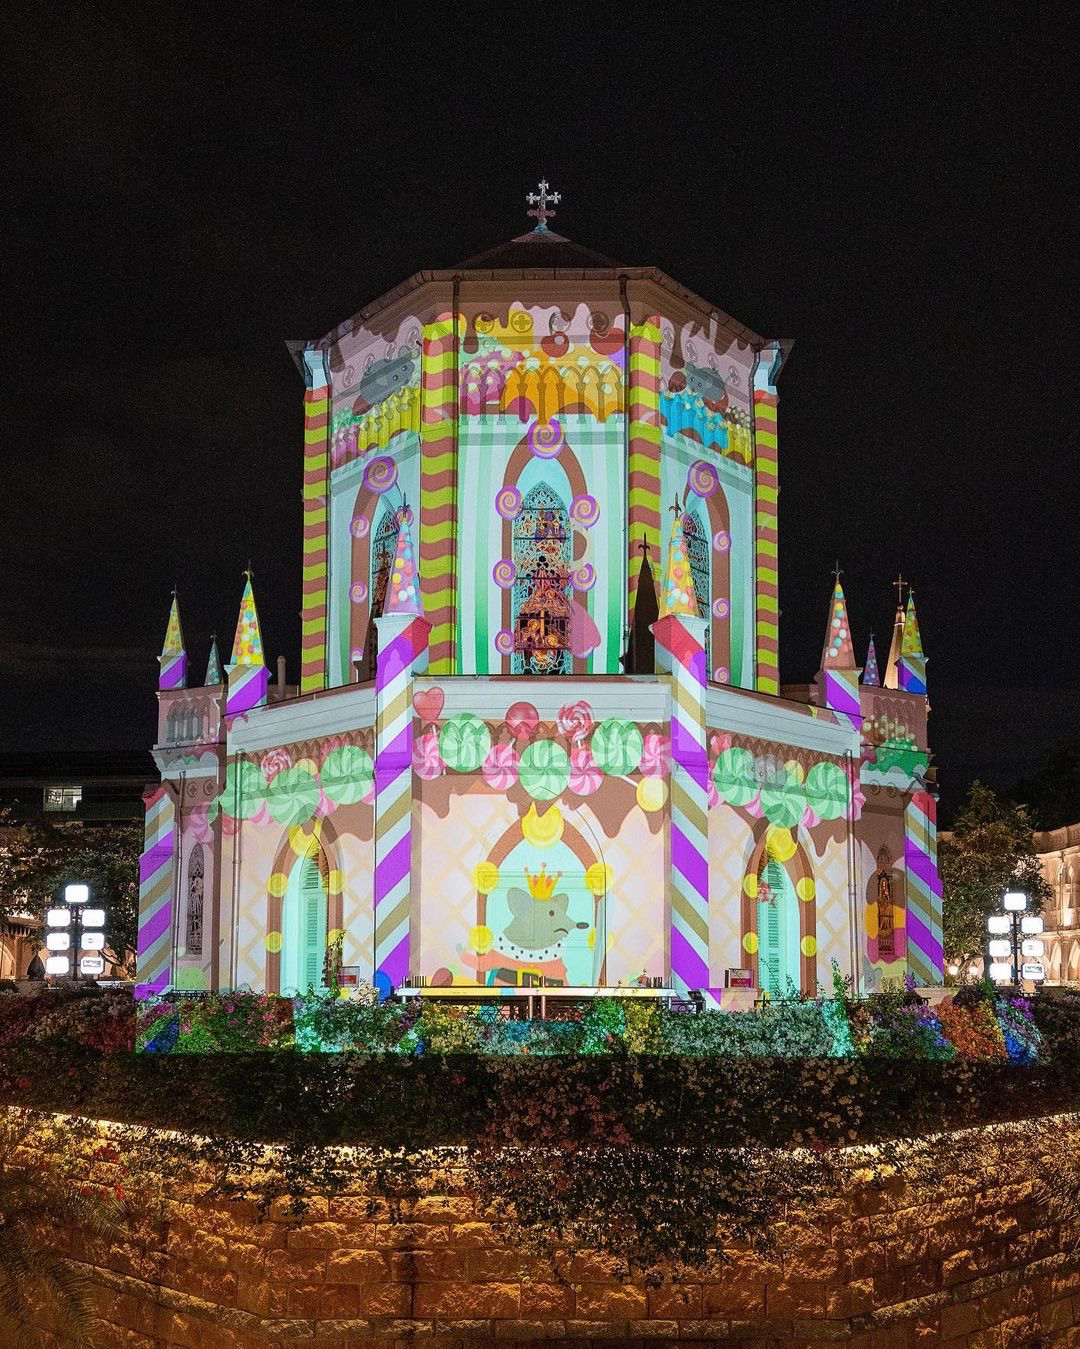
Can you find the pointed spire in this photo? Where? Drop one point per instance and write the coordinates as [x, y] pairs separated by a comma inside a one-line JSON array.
[[403, 587], [247, 644], [173, 658], [838, 652], [677, 594], [891, 680], [911, 667], [213, 665], [640, 657], [871, 677]]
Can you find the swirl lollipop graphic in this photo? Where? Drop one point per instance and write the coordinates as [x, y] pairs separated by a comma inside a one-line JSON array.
[[508, 503], [721, 541], [721, 609], [358, 592], [584, 578], [702, 479], [504, 642], [546, 439], [585, 510], [359, 527], [380, 474], [504, 573]]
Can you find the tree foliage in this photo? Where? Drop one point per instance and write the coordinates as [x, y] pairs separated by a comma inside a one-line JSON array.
[[38, 858], [990, 851]]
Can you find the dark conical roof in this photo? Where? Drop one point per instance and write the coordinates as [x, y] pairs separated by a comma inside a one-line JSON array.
[[538, 249]]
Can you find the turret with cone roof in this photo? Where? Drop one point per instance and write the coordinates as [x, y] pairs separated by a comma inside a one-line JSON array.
[[248, 676], [911, 666], [173, 658], [403, 586], [871, 678], [838, 677], [214, 674]]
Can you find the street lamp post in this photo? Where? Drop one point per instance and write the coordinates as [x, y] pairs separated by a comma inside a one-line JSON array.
[[1014, 936], [73, 928]]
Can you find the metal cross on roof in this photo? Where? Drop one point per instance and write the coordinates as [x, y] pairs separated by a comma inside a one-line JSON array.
[[540, 200]]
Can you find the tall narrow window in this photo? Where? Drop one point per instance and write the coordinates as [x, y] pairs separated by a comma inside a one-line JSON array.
[[196, 882], [886, 941], [699, 552], [542, 593], [383, 543], [304, 924]]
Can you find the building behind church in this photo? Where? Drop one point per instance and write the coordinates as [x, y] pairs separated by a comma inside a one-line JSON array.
[[538, 739]]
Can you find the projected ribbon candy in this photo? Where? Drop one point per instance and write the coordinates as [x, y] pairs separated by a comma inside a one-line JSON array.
[[702, 479], [585, 510], [783, 799], [734, 777], [347, 775], [508, 503], [504, 573], [464, 742], [827, 791], [292, 796], [546, 439], [504, 642], [380, 474], [544, 770], [584, 578], [616, 746]]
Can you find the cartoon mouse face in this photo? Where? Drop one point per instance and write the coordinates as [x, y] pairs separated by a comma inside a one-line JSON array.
[[538, 924]]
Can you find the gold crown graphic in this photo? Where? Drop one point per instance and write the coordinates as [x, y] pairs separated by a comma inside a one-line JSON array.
[[541, 884]]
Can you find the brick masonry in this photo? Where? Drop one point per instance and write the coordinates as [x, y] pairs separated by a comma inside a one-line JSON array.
[[975, 1256]]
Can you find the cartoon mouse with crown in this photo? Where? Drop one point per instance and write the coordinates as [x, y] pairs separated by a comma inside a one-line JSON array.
[[528, 951]]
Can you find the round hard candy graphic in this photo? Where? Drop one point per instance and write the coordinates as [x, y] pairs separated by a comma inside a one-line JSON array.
[[544, 770], [464, 742], [616, 746]]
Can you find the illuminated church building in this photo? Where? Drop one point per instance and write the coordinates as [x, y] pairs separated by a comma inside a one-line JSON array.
[[538, 739]]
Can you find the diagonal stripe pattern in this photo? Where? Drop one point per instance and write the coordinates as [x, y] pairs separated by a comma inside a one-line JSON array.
[[438, 492], [643, 397], [923, 890], [156, 865]]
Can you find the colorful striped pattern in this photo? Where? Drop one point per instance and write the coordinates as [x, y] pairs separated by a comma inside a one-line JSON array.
[[680, 645], [923, 890], [403, 639], [767, 593], [173, 658], [841, 689], [247, 688], [438, 489], [643, 498], [156, 886], [911, 667], [313, 620]]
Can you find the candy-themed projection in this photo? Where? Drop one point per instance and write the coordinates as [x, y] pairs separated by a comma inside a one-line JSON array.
[[538, 740]]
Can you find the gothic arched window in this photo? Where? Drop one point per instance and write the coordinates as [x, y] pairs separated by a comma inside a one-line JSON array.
[[699, 552], [886, 940], [542, 592], [383, 543], [196, 882]]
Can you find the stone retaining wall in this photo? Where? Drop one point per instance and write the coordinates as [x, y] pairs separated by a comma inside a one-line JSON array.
[[977, 1257]]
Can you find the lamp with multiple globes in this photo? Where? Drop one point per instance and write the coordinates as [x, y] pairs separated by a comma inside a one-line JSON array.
[[1013, 959], [73, 928]]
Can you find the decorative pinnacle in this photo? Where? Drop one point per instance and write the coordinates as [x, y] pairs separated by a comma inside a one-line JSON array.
[[898, 585], [677, 508], [837, 572], [644, 547], [540, 200]]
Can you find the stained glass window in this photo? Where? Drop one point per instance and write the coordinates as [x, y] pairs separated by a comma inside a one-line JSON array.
[[886, 942], [542, 591], [196, 882], [699, 551]]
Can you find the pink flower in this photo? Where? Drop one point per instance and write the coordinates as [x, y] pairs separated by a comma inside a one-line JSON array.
[[427, 761], [654, 756], [500, 768], [575, 720], [585, 775], [274, 762]]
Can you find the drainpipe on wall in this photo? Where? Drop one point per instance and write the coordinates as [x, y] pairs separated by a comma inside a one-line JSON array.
[[624, 300]]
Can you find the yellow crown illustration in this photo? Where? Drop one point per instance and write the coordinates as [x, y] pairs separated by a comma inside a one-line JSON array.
[[541, 884]]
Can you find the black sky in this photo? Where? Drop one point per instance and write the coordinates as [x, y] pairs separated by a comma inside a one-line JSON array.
[[891, 186]]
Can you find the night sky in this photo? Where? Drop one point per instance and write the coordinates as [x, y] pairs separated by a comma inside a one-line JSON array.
[[892, 190]]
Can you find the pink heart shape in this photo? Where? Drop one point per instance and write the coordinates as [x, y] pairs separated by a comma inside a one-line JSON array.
[[428, 703]]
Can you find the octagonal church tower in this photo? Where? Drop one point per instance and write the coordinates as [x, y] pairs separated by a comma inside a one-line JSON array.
[[538, 741]]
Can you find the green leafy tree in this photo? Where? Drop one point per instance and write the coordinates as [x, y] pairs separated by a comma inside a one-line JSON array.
[[990, 850], [38, 858]]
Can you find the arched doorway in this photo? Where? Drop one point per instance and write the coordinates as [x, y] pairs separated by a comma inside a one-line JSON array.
[[304, 924], [779, 967]]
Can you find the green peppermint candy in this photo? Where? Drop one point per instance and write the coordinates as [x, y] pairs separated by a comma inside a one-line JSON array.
[[464, 742], [616, 746], [544, 770], [783, 800], [827, 791], [292, 796], [245, 790], [734, 777], [347, 775]]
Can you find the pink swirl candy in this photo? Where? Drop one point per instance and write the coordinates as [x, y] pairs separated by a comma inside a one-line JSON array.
[[702, 479], [359, 527], [504, 642], [275, 762], [585, 510], [504, 573], [500, 768], [380, 473], [721, 608], [575, 720], [721, 541], [546, 439], [358, 592], [654, 755], [584, 578], [427, 761], [508, 503], [585, 774]]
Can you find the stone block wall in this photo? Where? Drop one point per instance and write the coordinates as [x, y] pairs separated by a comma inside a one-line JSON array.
[[977, 1254]]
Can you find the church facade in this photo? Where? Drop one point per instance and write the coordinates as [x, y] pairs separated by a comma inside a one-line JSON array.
[[538, 739]]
